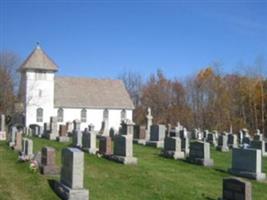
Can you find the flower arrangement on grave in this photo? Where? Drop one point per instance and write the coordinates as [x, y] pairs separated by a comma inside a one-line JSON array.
[[33, 165]]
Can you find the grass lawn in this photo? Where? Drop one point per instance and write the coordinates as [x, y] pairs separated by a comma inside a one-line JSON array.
[[153, 178]]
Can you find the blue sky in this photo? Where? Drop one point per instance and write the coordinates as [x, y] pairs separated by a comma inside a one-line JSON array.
[[105, 38]]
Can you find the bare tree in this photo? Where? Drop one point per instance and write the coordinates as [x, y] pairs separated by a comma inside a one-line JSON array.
[[133, 83], [9, 80]]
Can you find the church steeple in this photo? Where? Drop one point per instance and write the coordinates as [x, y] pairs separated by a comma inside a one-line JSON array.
[[38, 60]]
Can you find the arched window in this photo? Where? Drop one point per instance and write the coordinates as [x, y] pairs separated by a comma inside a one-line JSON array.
[[39, 114], [105, 114], [123, 115], [83, 115], [60, 115]]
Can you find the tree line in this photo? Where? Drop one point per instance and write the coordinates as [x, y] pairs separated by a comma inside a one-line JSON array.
[[208, 100]]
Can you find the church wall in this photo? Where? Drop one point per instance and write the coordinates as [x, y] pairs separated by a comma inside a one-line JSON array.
[[94, 116]]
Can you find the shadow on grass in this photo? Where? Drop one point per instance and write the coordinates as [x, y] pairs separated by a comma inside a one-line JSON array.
[[209, 198], [53, 184], [221, 170]]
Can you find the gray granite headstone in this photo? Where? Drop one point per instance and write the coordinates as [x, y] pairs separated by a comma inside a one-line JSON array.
[[259, 145], [149, 123], [89, 142], [123, 149], [232, 141], [53, 134], [72, 176], [236, 189], [157, 135], [223, 143], [173, 148], [247, 163], [200, 153]]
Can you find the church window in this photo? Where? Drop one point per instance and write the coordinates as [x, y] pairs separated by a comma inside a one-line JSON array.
[[39, 114], [105, 114], [123, 115], [60, 115], [83, 115]]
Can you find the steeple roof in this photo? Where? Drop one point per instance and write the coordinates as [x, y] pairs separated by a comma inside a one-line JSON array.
[[38, 60]]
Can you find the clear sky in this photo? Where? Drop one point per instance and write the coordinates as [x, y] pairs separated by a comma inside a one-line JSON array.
[[105, 38]]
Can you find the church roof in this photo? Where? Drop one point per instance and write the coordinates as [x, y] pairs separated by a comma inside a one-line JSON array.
[[73, 92], [38, 60]]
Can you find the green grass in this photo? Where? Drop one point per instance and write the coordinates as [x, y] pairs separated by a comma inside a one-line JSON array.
[[153, 178]]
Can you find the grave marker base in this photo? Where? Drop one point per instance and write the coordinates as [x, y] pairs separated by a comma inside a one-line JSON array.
[[256, 176], [222, 149], [157, 144], [123, 160], [91, 150], [206, 162], [173, 154], [139, 141], [63, 139], [67, 193]]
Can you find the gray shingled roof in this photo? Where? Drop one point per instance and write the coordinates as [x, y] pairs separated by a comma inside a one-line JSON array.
[[38, 60], [73, 92]]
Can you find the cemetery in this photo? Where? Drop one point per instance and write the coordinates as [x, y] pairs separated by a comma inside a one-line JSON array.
[[133, 100], [92, 165]]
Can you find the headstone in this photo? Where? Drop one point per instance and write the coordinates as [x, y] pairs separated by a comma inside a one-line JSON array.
[[258, 136], [48, 164], [247, 163], [200, 153], [37, 131], [72, 176], [240, 137], [169, 129], [18, 141], [185, 145], [127, 127], [157, 135], [211, 139], [89, 142], [3, 123], [27, 149], [149, 123], [46, 130], [178, 127], [199, 135], [77, 138], [69, 126], [232, 141], [63, 134], [183, 133], [53, 134], [77, 134], [105, 145], [2, 128], [123, 149], [236, 189], [205, 134], [246, 137], [173, 148], [222, 143], [12, 139], [259, 145], [139, 134], [104, 131]]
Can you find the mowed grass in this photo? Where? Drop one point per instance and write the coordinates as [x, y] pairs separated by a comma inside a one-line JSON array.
[[153, 178]]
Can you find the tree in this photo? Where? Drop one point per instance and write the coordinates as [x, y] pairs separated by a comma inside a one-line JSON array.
[[8, 81]]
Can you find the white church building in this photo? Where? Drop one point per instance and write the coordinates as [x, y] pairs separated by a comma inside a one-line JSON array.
[[69, 98]]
